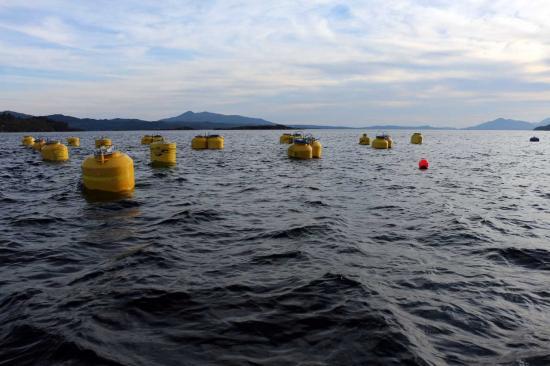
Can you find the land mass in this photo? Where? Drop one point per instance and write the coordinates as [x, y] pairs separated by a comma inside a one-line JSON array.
[[261, 127], [395, 127], [185, 121], [196, 119], [544, 125], [21, 122], [319, 127], [9, 123], [505, 124]]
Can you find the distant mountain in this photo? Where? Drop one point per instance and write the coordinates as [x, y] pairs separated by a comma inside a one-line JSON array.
[[215, 120], [504, 124], [10, 123], [376, 127], [17, 114], [543, 125], [318, 127], [212, 121], [116, 124], [262, 127], [185, 121], [395, 127]]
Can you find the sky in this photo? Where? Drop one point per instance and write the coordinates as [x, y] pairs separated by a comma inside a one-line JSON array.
[[354, 63]]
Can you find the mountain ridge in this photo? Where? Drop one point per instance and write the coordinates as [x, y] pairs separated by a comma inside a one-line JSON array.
[[10, 123], [188, 120], [504, 124], [217, 118], [210, 121]]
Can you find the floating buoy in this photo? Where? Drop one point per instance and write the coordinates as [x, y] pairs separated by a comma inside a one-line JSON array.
[[103, 141], [423, 164], [163, 153], [534, 139], [199, 143], [149, 139], [54, 151], [108, 171], [285, 138], [146, 140], [215, 142], [297, 135], [305, 148], [73, 141], [316, 149], [27, 141], [389, 140], [38, 144], [380, 142], [416, 138], [157, 138], [364, 139], [300, 149]]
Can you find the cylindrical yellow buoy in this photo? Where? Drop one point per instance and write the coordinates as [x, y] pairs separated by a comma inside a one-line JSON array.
[[215, 142], [316, 149], [163, 153], [157, 138], [364, 140], [108, 171], [73, 141], [146, 140], [416, 138], [380, 142], [300, 149], [38, 144], [103, 141], [296, 136], [286, 138], [54, 151], [389, 140], [27, 141], [199, 143]]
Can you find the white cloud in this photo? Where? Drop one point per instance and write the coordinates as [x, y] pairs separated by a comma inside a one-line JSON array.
[[362, 59]]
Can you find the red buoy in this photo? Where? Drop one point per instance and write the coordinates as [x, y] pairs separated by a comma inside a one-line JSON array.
[[423, 164]]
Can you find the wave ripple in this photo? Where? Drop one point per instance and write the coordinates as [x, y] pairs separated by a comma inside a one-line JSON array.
[[243, 257]]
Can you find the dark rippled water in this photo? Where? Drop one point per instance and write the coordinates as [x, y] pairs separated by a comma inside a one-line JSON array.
[[243, 257]]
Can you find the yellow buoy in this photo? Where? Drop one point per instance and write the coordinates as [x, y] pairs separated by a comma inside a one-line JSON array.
[[73, 141], [296, 136], [380, 142], [316, 149], [146, 140], [364, 140], [300, 149], [215, 142], [54, 151], [163, 153], [199, 143], [103, 141], [27, 141], [38, 144], [157, 138], [285, 138], [389, 140], [108, 171], [416, 138]]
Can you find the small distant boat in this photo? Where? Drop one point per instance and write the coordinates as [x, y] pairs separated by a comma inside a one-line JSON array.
[[534, 139]]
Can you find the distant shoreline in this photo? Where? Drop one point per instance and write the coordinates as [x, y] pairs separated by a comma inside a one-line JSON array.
[[19, 122]]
